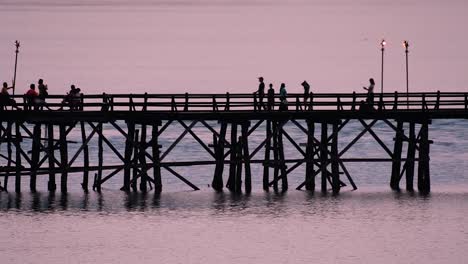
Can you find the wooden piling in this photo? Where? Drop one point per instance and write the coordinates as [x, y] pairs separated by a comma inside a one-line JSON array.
[[63, 158], [232, 160], [282, 164], [85, 182], [217, 182], [9, 153], [51, 185], [128, 155], [266, 162], [142, 160], [246, 157], [238, 179], [36, 147], [275, 156], [309, 177], [324, 155], [133, 184], [396, 159], [424, 181], [410, 157], [334, 160], [100, 156], [17, 144], [156, 159]]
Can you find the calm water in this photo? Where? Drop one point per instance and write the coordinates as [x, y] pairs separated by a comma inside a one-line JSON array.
[[218, 46]]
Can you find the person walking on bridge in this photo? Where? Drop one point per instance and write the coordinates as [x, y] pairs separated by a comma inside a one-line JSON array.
[[261, 93], [271, 98], [370, 92], [283, 98], [306, 86]]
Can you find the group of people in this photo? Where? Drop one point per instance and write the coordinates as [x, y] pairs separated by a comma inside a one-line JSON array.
[[283, 94], [37, 99], [283, 106]]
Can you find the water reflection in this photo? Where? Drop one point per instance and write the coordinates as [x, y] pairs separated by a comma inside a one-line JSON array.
[[219, 203]]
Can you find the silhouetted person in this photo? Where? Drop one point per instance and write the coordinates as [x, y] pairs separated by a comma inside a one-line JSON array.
[[306, 90], [271, 98], [5, 98], [72, 98], [31, 96], [261, 93], [42, 90], [283, 98], [370, 92]]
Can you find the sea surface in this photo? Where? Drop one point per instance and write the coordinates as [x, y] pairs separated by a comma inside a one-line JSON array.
[[155, 46]]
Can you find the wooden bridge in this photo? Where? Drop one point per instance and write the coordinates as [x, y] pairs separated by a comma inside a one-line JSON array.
[[35, 137]]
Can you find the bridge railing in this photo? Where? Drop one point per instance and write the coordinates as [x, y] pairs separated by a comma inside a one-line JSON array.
[[241, 102]]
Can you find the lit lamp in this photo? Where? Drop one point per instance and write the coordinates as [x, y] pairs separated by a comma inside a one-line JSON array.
[[406, 45], [382, 45]]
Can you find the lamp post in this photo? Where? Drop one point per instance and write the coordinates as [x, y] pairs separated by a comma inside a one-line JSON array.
[[406, 45], [17, 45], [382, 48]]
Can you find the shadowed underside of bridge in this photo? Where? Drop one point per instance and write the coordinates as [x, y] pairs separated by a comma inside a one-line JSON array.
[[35, 138]]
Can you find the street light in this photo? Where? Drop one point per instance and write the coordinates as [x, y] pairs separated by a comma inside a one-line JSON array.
[[382, 45], [406, 45]]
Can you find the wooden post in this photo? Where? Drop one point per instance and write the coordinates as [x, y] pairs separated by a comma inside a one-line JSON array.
[[36, 148], [142, 159], [85, 182], [238, 179], [334, 160], [275, 156], [186, 102], [156, 158], [17, 143], [309, 177], [424, 180], [246, 157], [63, 158], [51, 185], [266, 162], [133, 185], [232, 166], [396, 159], [128, 155], [100, 157], [410, 157], [282, 163], [324, 155], [217, 182], [9, 153]]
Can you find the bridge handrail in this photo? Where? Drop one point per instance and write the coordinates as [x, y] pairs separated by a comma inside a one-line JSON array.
[[242, 101]]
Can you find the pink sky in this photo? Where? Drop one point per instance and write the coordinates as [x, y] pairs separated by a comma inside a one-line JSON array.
[[219, 46]]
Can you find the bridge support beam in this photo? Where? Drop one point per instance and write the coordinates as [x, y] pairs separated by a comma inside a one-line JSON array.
[[156, 159], [310, 176], [51, 184], [336, 185], [410, 158], [396, 159], [217, 183], [324, 156], [424, 181], [63, 158], [36, 148]]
